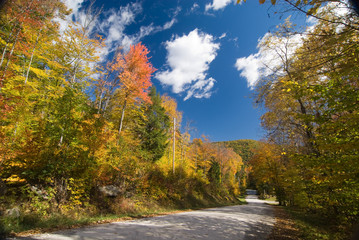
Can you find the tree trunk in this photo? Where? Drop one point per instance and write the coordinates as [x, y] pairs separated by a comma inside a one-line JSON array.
[[15, 129], [61, 190], [11, 52], [31, 58], [308, 131], [62, 137], [100, 102], [3, 54], [122, 116]]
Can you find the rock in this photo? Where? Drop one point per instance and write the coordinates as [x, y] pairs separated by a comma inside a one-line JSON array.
[[13, 212], [40, 192], [110, 190]]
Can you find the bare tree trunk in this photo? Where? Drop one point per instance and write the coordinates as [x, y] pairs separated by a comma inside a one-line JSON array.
[[196, 162], [62, 137], [61, 190], [11, 52], [15, 130], [3, 54], [74, 75], [106, 104], [32, 57], [100, 102], [122, 116]]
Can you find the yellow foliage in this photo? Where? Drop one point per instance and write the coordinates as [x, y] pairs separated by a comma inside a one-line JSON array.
[[14, 178]]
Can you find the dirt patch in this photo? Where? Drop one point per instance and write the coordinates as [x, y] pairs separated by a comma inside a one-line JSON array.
[[284, 228]]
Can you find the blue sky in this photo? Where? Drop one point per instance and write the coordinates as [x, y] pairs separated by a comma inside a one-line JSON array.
[[205, 53]]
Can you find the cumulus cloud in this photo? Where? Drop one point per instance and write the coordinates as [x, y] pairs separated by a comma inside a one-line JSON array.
[[188, 60], [218, 4], [249, 67], [75, 6], [269, 58], [114, 25]]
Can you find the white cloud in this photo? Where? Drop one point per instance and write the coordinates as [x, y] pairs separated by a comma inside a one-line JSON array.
[[75, 5], [188, 60], [201, 89], [249, 67], [77, 14], [116, 22], [194, 7], [223, 35], [114, 25], [218, 4], [169, 24], [269, 58]]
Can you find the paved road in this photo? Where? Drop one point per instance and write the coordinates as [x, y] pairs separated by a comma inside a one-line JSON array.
[[251, 221]]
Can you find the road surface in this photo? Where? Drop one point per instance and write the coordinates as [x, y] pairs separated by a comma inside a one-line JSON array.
[[245, 222]]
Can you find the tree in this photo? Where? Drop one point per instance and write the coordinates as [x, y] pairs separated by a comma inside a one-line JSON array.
[[154, 133], [214, 173], [311, 7], [268, 168], [134, 74], [311, 112], [170, 106], [46, 132]]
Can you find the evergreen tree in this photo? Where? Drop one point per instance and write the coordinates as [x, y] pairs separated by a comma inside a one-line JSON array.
[[154, 133], [214, 173]]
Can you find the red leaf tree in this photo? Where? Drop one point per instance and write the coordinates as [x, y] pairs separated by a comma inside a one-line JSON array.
[[134, 74]]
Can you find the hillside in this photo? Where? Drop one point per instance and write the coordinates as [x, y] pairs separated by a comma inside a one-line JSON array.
[[243, 147]]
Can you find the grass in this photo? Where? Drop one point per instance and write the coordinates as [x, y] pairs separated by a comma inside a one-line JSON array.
[[242, 200], [271, 198], [314, 226], [33, 223]]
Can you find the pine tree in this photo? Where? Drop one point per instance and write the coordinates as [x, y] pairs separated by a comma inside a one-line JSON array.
[[154, 133]]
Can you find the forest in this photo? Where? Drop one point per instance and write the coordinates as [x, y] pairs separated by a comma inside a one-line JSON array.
[[310, 157], [83, 135]]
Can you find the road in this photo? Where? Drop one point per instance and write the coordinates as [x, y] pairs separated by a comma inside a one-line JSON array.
[[245, 222]]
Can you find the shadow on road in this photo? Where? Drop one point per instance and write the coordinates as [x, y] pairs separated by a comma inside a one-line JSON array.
[[251, 221]]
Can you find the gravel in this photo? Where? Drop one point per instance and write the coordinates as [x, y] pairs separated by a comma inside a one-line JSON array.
[[254, 220]]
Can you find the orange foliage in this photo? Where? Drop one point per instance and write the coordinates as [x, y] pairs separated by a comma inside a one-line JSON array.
[[135, 72]]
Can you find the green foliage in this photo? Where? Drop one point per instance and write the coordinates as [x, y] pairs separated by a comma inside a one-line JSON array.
[[214, 173], [316, 226], [312, 120], [60, 143], [154, 132], [243, 147]]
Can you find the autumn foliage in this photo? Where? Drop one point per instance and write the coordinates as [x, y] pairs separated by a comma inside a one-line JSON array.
[[310, 159], [72, 125]]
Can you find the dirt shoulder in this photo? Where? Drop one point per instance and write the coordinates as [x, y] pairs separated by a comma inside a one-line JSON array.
[[284, 228]]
